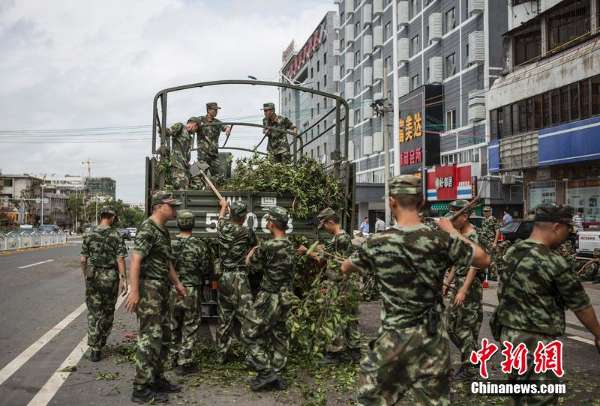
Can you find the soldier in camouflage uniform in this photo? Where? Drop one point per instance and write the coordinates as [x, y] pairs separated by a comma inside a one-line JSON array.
[[103, 255], [235, 296], [265, 323], [191, 262], [410, 259], [208, 143], [278, 146], [151, 270], [465, 312], [537, 287], [181, 150], [489, 230], [347, 343]]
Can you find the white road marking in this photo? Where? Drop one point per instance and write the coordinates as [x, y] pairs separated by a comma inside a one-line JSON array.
[[23, 357], [582, 340], [51, 387], [37, 263]]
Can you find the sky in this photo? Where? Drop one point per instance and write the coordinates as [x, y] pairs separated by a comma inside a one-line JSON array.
[[77, 78]]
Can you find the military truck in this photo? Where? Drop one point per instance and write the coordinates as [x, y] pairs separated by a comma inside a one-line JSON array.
[[204, 204]]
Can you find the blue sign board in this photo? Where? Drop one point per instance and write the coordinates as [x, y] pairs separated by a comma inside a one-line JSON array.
[[571, 142]]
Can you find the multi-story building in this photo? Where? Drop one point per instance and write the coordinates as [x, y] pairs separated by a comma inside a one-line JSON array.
[[314, 66], [101, 187], [545, 110]]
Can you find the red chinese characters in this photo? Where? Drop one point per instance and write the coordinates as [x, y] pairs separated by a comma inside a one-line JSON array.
[[549, 358], [482, 356], [411, 157], [514, 358]]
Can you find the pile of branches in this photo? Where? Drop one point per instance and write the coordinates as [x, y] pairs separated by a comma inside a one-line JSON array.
[[307, 180]]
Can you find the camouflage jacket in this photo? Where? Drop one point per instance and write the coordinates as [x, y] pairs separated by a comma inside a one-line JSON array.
[[409, 265], [181, 146], [278, 140], [534, 295], [102, 246], [190, 259], [275, 258], [234, 243], [487, 232], [341, 245], [475, 294], [153, 244], [208, 139]]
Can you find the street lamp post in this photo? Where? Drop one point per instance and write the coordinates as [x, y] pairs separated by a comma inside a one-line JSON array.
[[42, 200]]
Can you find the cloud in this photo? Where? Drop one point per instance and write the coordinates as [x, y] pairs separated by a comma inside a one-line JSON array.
[[91, 64]]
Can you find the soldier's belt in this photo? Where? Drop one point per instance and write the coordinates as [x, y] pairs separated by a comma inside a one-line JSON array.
[[99, 268]]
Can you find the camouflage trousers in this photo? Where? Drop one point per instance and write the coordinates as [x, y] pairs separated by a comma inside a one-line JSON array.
[[184, 319], [531, 340], [267, 334], [213, 171], [281, 157], [402, 360], [348, 334], [154, 330], [101, 291], [463, 323], [180, 174], [234, 301]]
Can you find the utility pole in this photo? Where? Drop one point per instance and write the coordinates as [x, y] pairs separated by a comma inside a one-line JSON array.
[[88, 163], [381, 108]]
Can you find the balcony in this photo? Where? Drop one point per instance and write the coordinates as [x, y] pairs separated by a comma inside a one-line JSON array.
[[477, 111], [367, 141], [436, 69], [349, 33], [403, 54], [336, 47], [367, 76], [367, 48], [403, 15], [377, 36], [378, 69], [349, 92], [367, 110], [367, 14], [349, 61], [435, 26], [476, 48], [377, 7], [377, 141], [349, 7], [403, 85]]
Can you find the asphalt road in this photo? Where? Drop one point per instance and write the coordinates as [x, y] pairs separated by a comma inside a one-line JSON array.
[[42, 289]]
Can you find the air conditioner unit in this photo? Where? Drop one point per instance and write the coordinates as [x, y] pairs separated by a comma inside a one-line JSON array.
[[336, 47], [477, 110], [476, 47], [367, 14], [367, 144], [507, 179], [435, 26], [403, 54], [367, 76], [349, 60], [336, 73], [377, 141], [377, 7], [367, 110], [403, 85], [436, 72], [378, 69], [349, 7], [377, 36], [349, 90], [403, 15], [476, 6], [367, 44], [349, 34]]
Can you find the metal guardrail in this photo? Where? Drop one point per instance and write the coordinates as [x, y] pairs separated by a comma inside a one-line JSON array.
[[16, 240]]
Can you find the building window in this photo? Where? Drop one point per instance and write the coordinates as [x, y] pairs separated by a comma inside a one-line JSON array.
[[388, 63], [494, 128], [450, 20], [415, 82], [325, 148], [595, 84], [325, 59], [507, 128], [527, 47], [500, 118], [318, 66], [318, 108], [555, 99], [324, 80], [414, 45], [342, 44], [311, 73], [324, 102], [450, 119], [356, 29], [467, 49], [515, 118], [356, 116], [357, 88], [312, 112], [450, 65], [427, 73], [569, 25], [414, 9], [357, 58], [7, 182], [312, 153], [584, 98], [547, 119], [530, 114], [387, 33], [564, 104], [574, 89]]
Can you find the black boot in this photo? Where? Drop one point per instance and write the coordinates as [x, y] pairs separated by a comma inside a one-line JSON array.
[[353, 356], [280, 384], [163, 386], [95, 356], [330, 358], [262, 381], [187, 369], [147, 395]]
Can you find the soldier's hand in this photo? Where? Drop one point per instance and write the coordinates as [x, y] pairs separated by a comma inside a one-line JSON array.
[[228, 130], [301, 250], [181, 290], [460, 297], [133, 298], [223, 203], [123, 286], [446, 225], [445, 289]]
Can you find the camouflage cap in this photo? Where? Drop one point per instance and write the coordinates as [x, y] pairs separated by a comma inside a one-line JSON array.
[[238, 209], [196, 120], [162, 197], [326, 214], [458, 204], [269, 106], [185, 219], [405, 185], [107, 210], [279, 216], [554, 213], [212, 105]]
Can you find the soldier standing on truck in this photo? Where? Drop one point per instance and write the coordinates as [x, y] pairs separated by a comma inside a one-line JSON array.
[[191, 262], [465, 312], [537, 286], [103, 252], [151, 270], [278, 146], [235, 296], [181, 151], [346, 345], [411, 351], [207, 142], [265, 323]]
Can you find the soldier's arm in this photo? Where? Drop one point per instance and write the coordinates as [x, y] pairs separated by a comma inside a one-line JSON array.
[[223, 208], [84, 255], [134, 282], [587, 317], [448, 280], [83, 263], [461, 295], [175, 280], [480, 258]]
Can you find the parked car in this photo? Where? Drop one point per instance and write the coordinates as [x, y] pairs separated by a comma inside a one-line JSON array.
[[132, 231], [521, 229], [125, 234], [48, 228]]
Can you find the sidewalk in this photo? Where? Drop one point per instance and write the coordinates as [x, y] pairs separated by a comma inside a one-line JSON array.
[[574, 327]]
